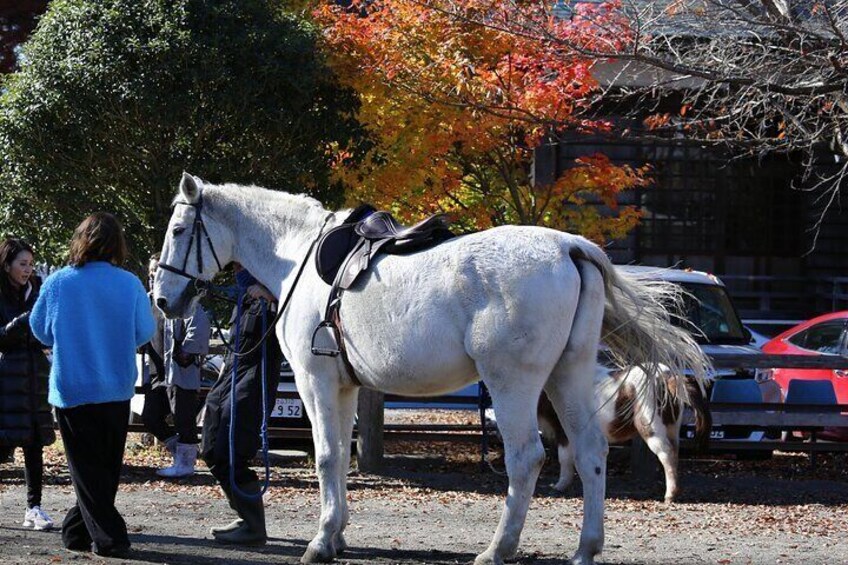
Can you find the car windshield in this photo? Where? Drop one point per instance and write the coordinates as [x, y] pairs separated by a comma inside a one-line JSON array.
[[710, 315]]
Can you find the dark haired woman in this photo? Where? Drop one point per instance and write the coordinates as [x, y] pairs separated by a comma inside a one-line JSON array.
[[94, 314], [25, 418]]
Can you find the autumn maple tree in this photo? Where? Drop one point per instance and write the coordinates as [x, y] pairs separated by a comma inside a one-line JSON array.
[[458, 105]]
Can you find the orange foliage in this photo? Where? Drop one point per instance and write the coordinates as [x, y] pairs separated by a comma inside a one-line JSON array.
[[458, 107]]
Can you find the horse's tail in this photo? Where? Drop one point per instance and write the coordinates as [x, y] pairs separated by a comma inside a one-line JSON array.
[[697, 400], [637, 326]]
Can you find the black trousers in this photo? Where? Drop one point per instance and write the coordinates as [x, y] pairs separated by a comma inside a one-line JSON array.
[[33, 470], [34, 473], [160, 401], [94, 436]]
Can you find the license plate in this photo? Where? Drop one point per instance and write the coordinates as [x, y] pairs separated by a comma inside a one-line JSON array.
[[288, 408], [714, 434]]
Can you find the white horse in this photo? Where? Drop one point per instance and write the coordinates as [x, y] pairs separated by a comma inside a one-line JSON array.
[[521, 308]]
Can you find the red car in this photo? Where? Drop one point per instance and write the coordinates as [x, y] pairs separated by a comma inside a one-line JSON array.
[[824, 334]]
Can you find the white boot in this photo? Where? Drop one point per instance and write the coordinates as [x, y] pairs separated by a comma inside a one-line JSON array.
[[184, 462], [37, 519], [171, 445]]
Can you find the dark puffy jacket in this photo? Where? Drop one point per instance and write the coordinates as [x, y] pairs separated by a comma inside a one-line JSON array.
[[25, 416]]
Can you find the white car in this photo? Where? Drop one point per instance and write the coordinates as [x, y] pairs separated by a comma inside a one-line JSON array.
[[713, 321]]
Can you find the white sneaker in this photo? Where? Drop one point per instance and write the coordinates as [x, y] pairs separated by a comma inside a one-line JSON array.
[[37, 519]]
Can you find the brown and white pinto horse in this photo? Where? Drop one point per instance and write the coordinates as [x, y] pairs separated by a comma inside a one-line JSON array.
[[624, 411]]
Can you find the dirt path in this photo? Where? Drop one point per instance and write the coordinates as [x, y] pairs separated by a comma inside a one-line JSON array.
[[442, 509]]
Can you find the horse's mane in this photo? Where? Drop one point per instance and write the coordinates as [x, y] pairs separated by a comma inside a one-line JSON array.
[[238, 205], [253, 195], [273, 205]]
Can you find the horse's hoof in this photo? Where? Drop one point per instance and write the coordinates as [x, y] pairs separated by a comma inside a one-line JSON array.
[[670, 496], [317, 554], [583, 559], [561, 486], [488, 557]]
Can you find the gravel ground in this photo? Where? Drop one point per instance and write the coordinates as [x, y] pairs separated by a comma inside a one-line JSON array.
[[434, 504]]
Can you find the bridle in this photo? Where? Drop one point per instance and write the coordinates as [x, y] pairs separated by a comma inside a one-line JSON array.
[[198, 231], [204, 287]]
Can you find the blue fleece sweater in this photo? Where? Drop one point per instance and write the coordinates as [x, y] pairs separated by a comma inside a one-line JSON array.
[[94, 317]]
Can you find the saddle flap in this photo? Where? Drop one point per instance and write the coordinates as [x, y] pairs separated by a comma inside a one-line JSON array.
[[333, 248], [355, 264], [335, 245]]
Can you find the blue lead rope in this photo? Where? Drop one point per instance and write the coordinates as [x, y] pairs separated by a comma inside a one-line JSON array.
[[263, 432]]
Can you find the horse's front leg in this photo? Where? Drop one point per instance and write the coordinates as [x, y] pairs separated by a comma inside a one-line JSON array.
[[322, 403], [347, 413]]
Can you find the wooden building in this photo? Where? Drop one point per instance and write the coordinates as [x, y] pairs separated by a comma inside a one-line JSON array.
[[740, 218]]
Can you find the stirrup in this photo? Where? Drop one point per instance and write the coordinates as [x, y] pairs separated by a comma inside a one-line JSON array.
[[331, 336]]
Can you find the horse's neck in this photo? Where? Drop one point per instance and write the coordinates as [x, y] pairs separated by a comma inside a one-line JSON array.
[[273, 234]]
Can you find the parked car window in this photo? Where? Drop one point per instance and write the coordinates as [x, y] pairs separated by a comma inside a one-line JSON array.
[[710, 310], [824, 338]]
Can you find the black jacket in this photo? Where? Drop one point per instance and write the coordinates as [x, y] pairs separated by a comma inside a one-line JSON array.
[[25, 416]]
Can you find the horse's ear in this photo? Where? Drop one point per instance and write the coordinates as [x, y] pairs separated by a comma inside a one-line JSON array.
[[190, 188]]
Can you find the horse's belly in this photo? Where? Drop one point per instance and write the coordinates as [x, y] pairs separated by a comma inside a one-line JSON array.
[[407, 341], [409, 359], [439, 374]]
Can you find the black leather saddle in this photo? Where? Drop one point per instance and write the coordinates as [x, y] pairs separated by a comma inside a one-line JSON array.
[[346, 251]]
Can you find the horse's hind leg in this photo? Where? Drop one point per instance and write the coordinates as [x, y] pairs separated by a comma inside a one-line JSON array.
[[515, 410], [565, 453], [667, 455], [571, 390], [551, 429]]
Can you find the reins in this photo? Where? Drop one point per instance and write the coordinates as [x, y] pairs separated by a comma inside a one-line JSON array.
[[263, 430]]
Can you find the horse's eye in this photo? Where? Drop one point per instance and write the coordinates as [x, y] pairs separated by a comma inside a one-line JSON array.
[[178, 230]]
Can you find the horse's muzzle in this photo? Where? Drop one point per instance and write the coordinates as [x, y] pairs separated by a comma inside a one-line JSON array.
[[177, 308]]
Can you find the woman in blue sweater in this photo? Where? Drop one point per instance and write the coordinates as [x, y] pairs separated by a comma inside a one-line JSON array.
[[94, 315]]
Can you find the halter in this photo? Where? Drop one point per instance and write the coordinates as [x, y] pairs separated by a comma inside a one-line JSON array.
[[198, 230]]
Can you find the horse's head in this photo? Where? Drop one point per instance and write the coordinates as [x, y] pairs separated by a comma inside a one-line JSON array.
[[196, 246]]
